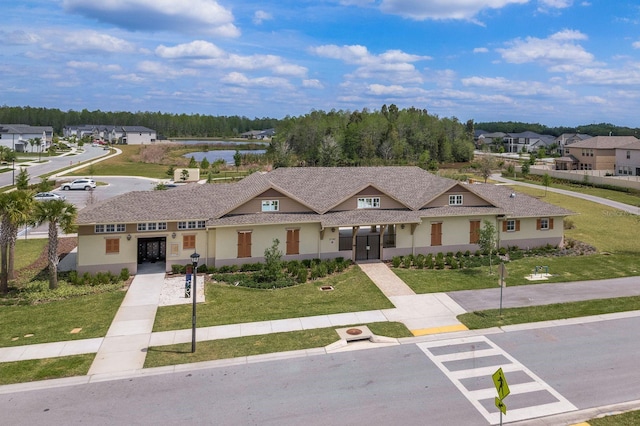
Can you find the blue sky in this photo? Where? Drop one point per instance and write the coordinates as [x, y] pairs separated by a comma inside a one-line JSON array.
[[555, 62]]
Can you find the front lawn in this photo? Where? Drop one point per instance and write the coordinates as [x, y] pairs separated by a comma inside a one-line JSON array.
[[226, 304], [45, 369]]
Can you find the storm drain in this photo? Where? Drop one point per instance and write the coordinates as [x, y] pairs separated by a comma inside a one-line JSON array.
[[326, 288], [352, 334]]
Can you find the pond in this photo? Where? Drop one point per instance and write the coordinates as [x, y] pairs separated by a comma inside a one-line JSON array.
[[224, 154], [218, 142]]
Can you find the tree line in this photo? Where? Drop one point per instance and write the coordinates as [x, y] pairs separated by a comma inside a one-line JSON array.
[[165, 124], [387, 136]]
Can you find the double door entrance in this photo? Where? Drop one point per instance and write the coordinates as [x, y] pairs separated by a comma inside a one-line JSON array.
[[152, 249], [368, 247]]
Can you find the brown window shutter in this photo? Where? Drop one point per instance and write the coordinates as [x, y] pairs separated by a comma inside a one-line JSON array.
[[550, 223], [538, 224], [517, 224], [504, 226]]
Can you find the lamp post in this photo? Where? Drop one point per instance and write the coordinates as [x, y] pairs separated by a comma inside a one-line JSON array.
[[13, 171], [194, 261]]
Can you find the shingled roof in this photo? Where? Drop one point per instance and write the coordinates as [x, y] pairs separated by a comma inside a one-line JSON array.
[[320, 189]]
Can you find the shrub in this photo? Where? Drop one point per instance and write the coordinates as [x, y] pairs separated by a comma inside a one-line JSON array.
[[331, 266], [177, 269], [124, 274], [202, 269], [228, 269], [251, 267], [302, 275], [429, 261], [73, 278], [458, 254], [502, 251], [454, 264], [439, 263], [467, 253], [406, 262], [396, 261]]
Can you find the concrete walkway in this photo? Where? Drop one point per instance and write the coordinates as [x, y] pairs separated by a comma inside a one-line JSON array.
[[124, 347]]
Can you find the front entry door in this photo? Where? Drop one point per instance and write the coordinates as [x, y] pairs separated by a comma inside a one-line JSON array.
[[152, 249], [368, 247]]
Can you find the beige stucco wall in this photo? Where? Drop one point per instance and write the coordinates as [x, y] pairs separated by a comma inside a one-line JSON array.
[[286, 205], [91, 256], [529, 236], [468, 198]]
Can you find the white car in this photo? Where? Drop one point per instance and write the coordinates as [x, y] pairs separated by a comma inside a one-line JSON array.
[[46, 196], [86, 184]]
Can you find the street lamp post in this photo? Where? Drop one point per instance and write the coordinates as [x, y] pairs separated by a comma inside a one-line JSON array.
[[13, 171], [194, 261]]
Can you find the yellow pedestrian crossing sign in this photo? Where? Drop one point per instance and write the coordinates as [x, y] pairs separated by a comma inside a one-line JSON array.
[[501, 384], [501, 406]]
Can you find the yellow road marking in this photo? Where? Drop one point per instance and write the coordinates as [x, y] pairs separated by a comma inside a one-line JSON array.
[[437, 330]]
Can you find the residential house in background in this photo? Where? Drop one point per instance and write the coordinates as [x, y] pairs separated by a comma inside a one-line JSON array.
[[514, 142], [567, 139], [628, 159], [259, 134], [122, 135], [359, 213], [597, 153], [17, 136]]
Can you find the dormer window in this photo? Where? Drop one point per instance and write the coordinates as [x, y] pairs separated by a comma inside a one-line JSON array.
[[455, 200], [369, 203], [270, 205]]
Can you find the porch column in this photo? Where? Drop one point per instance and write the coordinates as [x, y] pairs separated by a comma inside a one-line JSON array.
[[354, 234], [383, 229]]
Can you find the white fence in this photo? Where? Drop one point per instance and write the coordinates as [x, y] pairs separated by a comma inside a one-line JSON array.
[[597, 177]]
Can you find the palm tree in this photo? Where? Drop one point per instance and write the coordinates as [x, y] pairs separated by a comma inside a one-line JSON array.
[[57, 213], [15, 210]]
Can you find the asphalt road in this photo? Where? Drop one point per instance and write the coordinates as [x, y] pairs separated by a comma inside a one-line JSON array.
[[582, 366], [540, 294]]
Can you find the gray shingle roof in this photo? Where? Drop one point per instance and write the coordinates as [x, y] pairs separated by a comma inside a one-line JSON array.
[[319, 188], [605, 142]]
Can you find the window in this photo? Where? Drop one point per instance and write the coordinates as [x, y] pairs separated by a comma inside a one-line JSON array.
[[474, 231], [188, 242], [511, 225], [152, 226], [112, 245], [544, 224], [101, 229], [192, 224], [293, 241], [455, 200], [389, 237], [628, 155], [270, 205], [369, 203]]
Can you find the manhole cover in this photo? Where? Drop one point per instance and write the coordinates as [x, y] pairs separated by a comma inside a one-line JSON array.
[[354, 331]]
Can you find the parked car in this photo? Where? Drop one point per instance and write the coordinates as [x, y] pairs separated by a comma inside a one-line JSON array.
[[86, 184], [46, 196]]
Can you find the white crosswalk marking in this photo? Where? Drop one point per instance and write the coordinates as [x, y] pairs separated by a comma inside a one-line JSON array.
[[469, 364]]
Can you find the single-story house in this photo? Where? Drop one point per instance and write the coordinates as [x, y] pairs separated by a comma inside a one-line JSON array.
[[359, 213], [597, 153]]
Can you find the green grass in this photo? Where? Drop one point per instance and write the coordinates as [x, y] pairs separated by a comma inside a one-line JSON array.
[[28, 251], [257, 345], [44, 369], [631, 418], [53, 322], [226, 304], [563, 269], [491, 318]]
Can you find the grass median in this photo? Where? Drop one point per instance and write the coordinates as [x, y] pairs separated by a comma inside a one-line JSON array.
[[258, 345], [45, 369], [557, 311]]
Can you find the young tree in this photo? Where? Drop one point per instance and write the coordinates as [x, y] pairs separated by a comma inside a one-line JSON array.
[[184, 175], [273, 262], [61, 214], [488, 240], [22, 180], [204, 164], [486, 164], [525, 170], [193, 163], [170, 171], [237, 159], [546, 181], [44, 185]]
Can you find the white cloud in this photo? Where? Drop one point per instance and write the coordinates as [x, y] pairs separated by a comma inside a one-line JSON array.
[[636, 44], [312, 84], [393, 90], [240, 79], [260, 16], [190, 16], [443, 9], [512, 87], [480, 50], [131, 78], [93, 66], [88, 41], [162, 71], [557, 50], [18, 37], [554, 4], [195, 49]]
